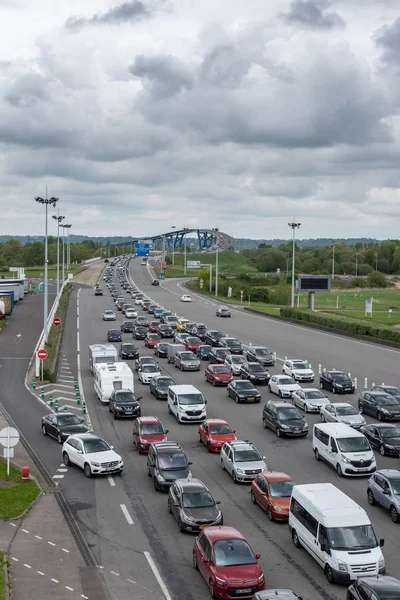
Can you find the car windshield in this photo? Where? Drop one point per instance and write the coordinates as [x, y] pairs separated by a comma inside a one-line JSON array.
[[205, 349], [232, 342], [344, 411], [395, 486], [281, 489], [244, 385], [128, 323], [392, 390], [289, 414], [191, 399], [162, 347], [390, 432], [164, 328], [149, 368], [198, 500], [188, 356], [108, 312], [388, 401], [314, 395], [216, 335], [234, 552], [93, 446], [221, 370], [356, 444], [153, 336], [342, 377], [68, 420], [221, 352], [220, 429], [193, 340], [141, 329], [352, 538], [164, 384], [286, 381], [237, 360], [151, 428], [262, 352], [256, 368], [171, 461], [247, 455], [147, 360], [128, 347], [113, 332]]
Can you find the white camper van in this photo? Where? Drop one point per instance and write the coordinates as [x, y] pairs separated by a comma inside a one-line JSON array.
[[102, 354], [112, 376], [335, 531], [186, 403]]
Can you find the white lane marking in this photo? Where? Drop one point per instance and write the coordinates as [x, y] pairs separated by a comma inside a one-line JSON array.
[[157, 575], [69, 588], [111, 481], [40, 573], [55, 580], [27, 566], [38, 537], [114, 573], [25, 530], [62, 470], [131, 580], [58, 476], [16, 559], [13, 524], [52, 544], [126, 514]]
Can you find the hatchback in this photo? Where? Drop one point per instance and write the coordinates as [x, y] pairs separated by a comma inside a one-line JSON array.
[[284, 419], [151, 340], [382, 587], [384, 489], [380, 405], [336, 381], [128, 350], [193, 506], [159, 386], [233, 345], [161, 350], [203, 352], [255, 372], [243, 390], [147, 430], [261, 354], [113, 335], [218, 375], [127, 326], [342, 412], [384, 437], [218, 355], [213, 433], [167, 462], [272, 491]]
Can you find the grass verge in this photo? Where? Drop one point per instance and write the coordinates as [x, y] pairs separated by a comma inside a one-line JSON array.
[[55, 334], [15, 496], [229, 263], [38, 272], [3, 576]]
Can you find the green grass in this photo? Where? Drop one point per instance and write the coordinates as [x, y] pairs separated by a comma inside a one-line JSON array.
[[229, 263], [383, 300], [3, 578], [377, 316], [15, 500], [35, 272]]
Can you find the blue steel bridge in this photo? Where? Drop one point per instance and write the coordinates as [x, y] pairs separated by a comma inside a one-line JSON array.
[[208, 240]]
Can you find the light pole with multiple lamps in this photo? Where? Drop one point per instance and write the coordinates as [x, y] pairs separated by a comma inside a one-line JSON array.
[[184, 250], [64, 226], [59, 219], [46, 201], [294, 226]]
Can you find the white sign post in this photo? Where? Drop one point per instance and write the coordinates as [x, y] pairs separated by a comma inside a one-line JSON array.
[[368, 307], [9, 437]]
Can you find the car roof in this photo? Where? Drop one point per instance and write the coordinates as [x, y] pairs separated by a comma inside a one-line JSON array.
[[385, 582], [192, 485], [215, 422], [62, 414], [86, 437], [148, 419], [333, 372], [283, 377], [377, 393], [215, 533], [240, 444], [383, 425], [339, 404], [275, 476], [389, 473], [280, 403]]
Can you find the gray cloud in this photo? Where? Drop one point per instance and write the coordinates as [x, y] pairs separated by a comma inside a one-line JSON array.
[[388, 38], [312, 14], [128, 12], [165, 75]]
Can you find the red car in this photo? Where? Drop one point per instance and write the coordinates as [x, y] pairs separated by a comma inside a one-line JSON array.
[[192, 343], [218, 374], [213, 433], [151, 340], [153, 326], [147, 430], [145, 305], [227, 563], [272, 491]]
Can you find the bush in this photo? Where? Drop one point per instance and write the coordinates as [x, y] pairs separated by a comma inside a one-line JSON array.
[[376, 279]]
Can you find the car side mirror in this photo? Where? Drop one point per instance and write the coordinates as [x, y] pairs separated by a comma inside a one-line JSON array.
[[334, 451], [190, 462], [386, 492], [166, 431], [112, 447], [139, 398], [204, 560], [229, 460], [323, 548], [263, 457], [82, 420], [205, 401], [233, 430], [79, 451], [218, 502], [258, 555], [381, 542]]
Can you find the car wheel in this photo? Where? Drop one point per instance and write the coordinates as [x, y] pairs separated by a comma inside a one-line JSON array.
[[295, 539], [222, 465], [278, 432], [280, 394], [148, 472], [59, 438], [211, 588], [370, 496], [269, 389], [213, 383], [316, 454], [44, 430], [333, 390], [379, 416], [115, 416], [194, 560], [155, 483], [265, 424], [382, 450], [329, 574], [269, 514], [228, 394], [234, 478], [339, 470], [253, 497], [321, 385], [209, 448], [200, 440], [180, 526], [361, 408], [169, 410], [237, 399], [394, 515], [305, 407], [169, 507], [87, 470], [66, 459], [322, 418]]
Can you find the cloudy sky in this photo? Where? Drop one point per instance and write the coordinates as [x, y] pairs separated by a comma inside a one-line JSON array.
[[237, 114]]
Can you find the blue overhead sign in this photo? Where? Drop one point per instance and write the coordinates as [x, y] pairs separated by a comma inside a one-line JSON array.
[[142, 249]]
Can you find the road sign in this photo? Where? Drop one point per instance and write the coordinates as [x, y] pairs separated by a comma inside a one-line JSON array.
[[42, 354], [57, 321], [161, 276], [242, 291], [164, 265], [9, 437], [193, 264], [30, 282], [142, 249]]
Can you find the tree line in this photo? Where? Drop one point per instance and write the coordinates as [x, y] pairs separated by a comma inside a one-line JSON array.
[[14, 254]]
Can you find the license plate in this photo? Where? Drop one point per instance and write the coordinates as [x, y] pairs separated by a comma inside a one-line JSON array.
[[244, 591], [203, 526], [250, 399], [363, 469]]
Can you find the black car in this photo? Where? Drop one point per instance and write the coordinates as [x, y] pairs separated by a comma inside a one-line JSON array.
[[233, 345], [384, 437], [203, 352], [128, 350], [61, 426], [159, 386], [382, 587], [260, 354], [284, 419], [123, 403], [113, 335], [161, 349], [255, 372], [212, 337], [155, 282], [388, 389], [337, 382], [165, 331], [98, 292], [379, 405], [167, 462], [200, 330], [193, 506], [127, 326], [218, 355], [152, 308], [223, 311], [242, 390], [139, 332]]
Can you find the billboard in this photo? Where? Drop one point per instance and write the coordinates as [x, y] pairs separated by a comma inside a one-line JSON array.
[[193, 264], [142, 249], [314, 283]]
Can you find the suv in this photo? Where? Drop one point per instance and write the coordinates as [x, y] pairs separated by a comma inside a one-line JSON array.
[[261, 354], [336, 381], [384, 489], [193, 506], [167, 462], [284, 419], [298, 369], [123, 403], [242, 460]]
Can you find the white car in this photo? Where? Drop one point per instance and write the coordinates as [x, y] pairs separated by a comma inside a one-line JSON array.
[[92, 454], [186, 298], [109, 315], [234, 362], [138, 299], [298, 369], [310, 399], [146, 373], [283, 386], [131, 313]]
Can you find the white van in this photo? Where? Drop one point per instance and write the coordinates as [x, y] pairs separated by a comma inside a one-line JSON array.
[[187, 403], [102, 354], [345, 449], [110, 377], [335, 531]]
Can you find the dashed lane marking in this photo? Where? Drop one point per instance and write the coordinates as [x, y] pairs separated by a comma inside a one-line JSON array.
[[126, 514]]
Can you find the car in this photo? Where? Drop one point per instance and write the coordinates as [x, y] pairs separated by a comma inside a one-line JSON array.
[[143, 263], [309, 399], [158, 312], [138, 299], [146, 304], [147, 372], [192, 343], [180, 323], [218, 355], [212, 337], [193, 506], [380, 405], [113, 335], [242, 390], [199, 330], [61, 426], [186, 361], [261, 354], [188, 327], [161, 350], [233, 345], [128, 350], [277, 594], [165, 314], [218, 375], [145, 360], [298, 369], [131, 313], [227, 563], [124, 403], [186, 298], [159, 386], [384, 489], [151, 340], [283, 386], [147, 430], [120, 304], [139, 332], [388, 389], [203, 352], [142, 321], [153, 326], [255, 372], [342, 412], [272, 491], [283, 418], [234, 363], [167, 462], [165, 331], [155, 282], [383, 587], [213, 433], [152, 308], [180, 338], [126, 307], [98, 291], [92, 454], [384, 437], [337, 382], [242, 461], [127, 326], [109, 315], [223, 311], [171, 320]]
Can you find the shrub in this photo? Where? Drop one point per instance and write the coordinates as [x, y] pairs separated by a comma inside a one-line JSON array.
[[376, 279]]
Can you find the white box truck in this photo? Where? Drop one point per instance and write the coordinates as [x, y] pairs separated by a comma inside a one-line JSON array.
[[102, 354], [173, 349], [110, 377]]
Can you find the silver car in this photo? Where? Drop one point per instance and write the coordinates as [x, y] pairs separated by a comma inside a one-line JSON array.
[[342, 412], [234, 362], [186, 361], [384, 489], [310, 399], [109, 315], [242, 460]]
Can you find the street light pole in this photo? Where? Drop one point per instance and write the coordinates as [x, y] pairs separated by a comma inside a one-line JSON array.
[[68, 247], [356, 264], [294, 226], [46, 201], [333, 260], [376, 260], [184, 255], [173, 247], [58, 219]]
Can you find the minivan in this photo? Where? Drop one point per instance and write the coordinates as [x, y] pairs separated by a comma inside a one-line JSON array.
[[336, 532], [186, 403], [345, 449]]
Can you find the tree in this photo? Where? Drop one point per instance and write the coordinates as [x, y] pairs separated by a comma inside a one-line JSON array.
[[377, 279]]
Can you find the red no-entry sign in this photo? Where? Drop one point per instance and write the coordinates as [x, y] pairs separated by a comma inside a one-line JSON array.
[[57, 321], [30, 282], [42, 354]]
